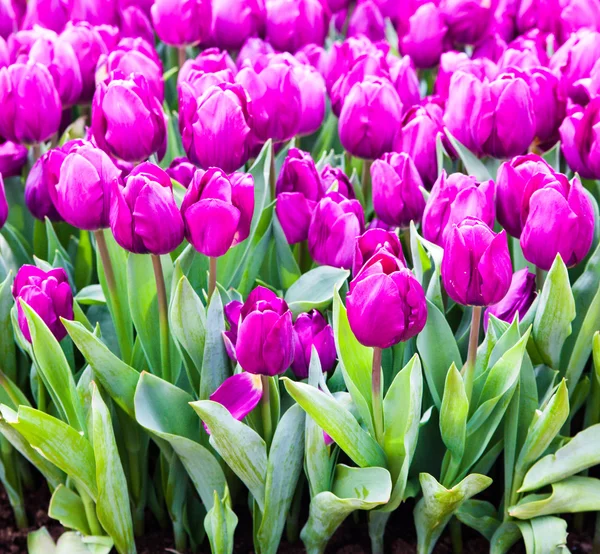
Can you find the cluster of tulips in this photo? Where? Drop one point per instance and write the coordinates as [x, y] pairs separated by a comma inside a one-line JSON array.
[[286, 260]]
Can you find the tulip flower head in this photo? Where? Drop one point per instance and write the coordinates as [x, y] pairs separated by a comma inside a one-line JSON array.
[[182, 171], [13, 157], [182, 22], [580, 141], [373, 240], [234, 21], [311, 329]]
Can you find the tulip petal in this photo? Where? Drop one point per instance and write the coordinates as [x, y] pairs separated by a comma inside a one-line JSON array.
[[240, 394]]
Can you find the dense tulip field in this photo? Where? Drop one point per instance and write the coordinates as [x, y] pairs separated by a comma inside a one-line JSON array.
[[266, 265]]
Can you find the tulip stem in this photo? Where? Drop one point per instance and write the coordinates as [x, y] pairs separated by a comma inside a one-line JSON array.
[[265, 410], [539, 278], [365, 181], [376, 392], [406, 237], [36, 150], [212, 277], [163, 317], [469, 372], [272, 176], [181, 56]]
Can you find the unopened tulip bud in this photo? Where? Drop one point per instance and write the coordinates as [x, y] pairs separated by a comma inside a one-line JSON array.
[[373, 240], [182, 22], [311, 329]]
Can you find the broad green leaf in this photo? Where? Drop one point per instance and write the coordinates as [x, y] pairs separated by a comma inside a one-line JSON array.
[[283, 470], [315, 289], [58, 254], [479, 515], [453, 415], [215, 363], [74, 543], [472, 164], [555, 312], [504, 537], [112, 505], [67, 507], [40, 542], [287, 267], [339, 424], [244, 451], [84, 261], [12, 480], [220, 523], [7, 342], [427, 259], [92, 294], [544, 535]]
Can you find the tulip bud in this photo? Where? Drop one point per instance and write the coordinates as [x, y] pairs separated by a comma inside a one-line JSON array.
[[234, 21], [559, 219], [292, 24], [452, 199], [490, 47], [13, 157], [133, 134], [406, 82], [210, 67], [451, 62], [20, 43], [135, 23], [335, 224], [467, 20], [253, 50], [264, 343], [513, 178], [215, 127], [580, 142], [397, 196], [373, 240], [3, 204], [370, 118], [298, 190], [144, 217], [232, 311], [182, 22], [48, 294], [476, 267], [386, 304], [424, 42], [311, 329], [240, 394], [8, 19], [312, 98], [217, 210], [182, 171], [4, 53], [519, 298], [366, 20], [31, 108], [82, 193], [334, 179], [96, 12]]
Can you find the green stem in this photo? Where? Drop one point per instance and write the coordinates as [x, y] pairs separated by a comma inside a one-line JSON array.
[[365, 181], [456, 536], [539, 278], [163, 317], [272, 176], [181, 56], [349, 13], [265, 410], [212, 277], [469, 373], [90, 513], [407, 248], [36, 150], [376, 393]]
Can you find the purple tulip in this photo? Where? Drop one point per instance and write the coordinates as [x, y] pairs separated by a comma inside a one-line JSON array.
[[544, 15], [366, 20], [133, 134], [386, 303], [370, 242], [292, 24], [182, 171], [312, 98], [234, 21], [334, 179], [240, 394], [50, 14], [335, 224], [48, 294], [20, 43], [580, 140], [253, 50], [406, 82], [82, 194], [299, 188], [476, 267], [3, 204], [580, 14], [585, 90], [559, 219], [490, 47], [4, 53], [31, 108], [452, 62], [95, 12], [212, 66], [264, 344], [182, 22], [232, 311], [370, 118], [311, 329], [8, 19], [511, 183], [467, 20], [518, 299], [397, 195], [215, 127], [217, 210], [144, 217], [13, 157], [453, 198], [135, 23], [425, 40], [111, 36]]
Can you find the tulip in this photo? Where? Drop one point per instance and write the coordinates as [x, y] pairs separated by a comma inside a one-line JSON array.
[[397, 196], [519, 58], [370, 118], [144, 217], [253, 50], [240, 394], [544, 15], [334, 179], [585, 90], [373, 240], [234, 21], [13, 157], [133, 134], [3, 204], [467, 20], [334, 226], [111, 36], [511, 183], [298, 189], [580, 14], [580, 141], [311, 329], [8, 19], [312, 98], [292, 24], [559, 219], [386, 304], [217, 211], [215, 127], [135, 23], [182, 22], [490, 47], [476, 267], [20, 43], [452, 62], [82, 193], [424, 42], [264, 343], [232, 312], [518, 299], [406, 82], [366, 20], [95, 12], [212, 65], [4, 53], [182, 171], [48, 294]]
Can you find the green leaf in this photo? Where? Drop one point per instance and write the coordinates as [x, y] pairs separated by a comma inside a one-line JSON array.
[[8, 353], [287, 267], [427, 259], [283, 470], [220, 523], [67, 507], [504, 537], [244, 451], [315, 289], [84, 260], [90, 295], [215, 363], [74, 543], [479, 515], [472, 164], [112, 505], [544, 535], [338, 423], [556, 311], [40, 542], [454, 412], [58, 254]]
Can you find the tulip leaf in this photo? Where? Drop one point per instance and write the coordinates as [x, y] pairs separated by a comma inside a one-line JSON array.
[[479, 515], [220, 523], [40, 542], [556, 311], [433, 512], [67, 507], [315, 289], [90, 295], [453, 415], [215, 363], [8, 353], [353, 489], [473, 165], [438, 350], [287, 267], [74, 543], [544, 535], [115, 376], [283, 470], [59, 443], [244, 450], [507, 534], [427, 260], [338, 423]]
